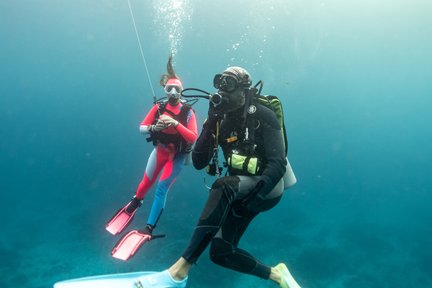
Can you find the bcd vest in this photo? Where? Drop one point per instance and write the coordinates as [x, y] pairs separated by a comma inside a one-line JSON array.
[[164, 138]]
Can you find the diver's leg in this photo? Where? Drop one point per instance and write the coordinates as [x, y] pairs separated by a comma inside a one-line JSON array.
[[123, 217], [222, 194], [155, 163], [224, 250], [171, 170]]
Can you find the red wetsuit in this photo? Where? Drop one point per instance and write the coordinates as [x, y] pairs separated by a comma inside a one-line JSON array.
[[165, 158]]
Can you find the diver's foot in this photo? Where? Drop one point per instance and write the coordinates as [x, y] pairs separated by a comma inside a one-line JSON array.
[[123, 217], [147, 230], [287, 281], [133, 205], [161, 280]]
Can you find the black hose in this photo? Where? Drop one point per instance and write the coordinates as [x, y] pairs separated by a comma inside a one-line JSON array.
[[204, 94]]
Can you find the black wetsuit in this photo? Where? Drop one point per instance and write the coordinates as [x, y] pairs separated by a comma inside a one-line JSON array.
[[227, 214]]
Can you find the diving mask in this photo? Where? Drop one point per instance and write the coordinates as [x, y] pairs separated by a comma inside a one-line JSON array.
[[225, 83], [173, 94], [231, 79], [228, 83], [172, 89]]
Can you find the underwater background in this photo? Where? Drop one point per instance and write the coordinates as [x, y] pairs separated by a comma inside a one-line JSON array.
[[355, 81]]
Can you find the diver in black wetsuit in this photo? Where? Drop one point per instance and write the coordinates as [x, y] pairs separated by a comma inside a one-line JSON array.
[[231, 207], [253, 147]]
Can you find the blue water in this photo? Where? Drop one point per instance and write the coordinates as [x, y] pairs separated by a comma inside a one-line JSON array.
[[354, 77]]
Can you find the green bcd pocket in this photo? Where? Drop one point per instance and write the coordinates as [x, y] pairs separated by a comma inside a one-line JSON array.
[[246, 164]]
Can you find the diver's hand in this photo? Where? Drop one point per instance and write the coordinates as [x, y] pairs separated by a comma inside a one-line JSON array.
[[159, 126], [168, 121], [214, 114]]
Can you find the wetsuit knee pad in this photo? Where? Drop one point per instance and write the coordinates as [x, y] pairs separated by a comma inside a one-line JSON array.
[[220, 250]]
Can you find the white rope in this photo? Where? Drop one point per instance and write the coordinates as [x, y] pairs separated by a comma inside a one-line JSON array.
[[141, 50]]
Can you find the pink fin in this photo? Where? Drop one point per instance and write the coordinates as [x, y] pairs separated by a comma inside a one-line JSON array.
[[119, 221], [129, 245]]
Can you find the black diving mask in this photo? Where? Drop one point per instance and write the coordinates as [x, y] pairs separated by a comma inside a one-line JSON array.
[[226, 83]]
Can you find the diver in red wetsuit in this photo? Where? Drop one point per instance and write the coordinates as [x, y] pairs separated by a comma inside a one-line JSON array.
[[172, 128]]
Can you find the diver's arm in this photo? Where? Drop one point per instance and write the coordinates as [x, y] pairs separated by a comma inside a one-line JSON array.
[[145, 129], [274, 150], [203, 149], [146, 125], [189, 133]]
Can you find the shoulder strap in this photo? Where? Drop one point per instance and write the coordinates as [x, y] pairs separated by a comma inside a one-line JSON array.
[[250, 124], [183, 115], [161, 109]]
